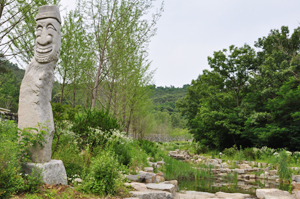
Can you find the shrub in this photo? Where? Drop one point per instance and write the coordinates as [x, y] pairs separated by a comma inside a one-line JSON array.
[[230, 151], [93, 127], [12, 180], [249, 153], [200, 148], [104, 175]]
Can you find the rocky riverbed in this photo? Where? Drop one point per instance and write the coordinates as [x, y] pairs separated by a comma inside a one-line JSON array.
[[149, 185]]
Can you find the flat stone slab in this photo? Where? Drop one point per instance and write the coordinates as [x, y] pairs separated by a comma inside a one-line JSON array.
[[151, 194], [194, 195], [273, 194], [232, 195], [206, 195], [148, 169], [162, 187], [137, 186], [52, 172]]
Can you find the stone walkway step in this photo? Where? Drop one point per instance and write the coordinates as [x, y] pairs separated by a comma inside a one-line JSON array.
[[205, 195], [151, 194]]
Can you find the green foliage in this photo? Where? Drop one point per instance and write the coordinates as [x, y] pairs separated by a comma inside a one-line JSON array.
[[282, 162], [13, 151], [10, 78], [200, 148], [176, 169], [93, 127], [249, 98], [104, 174], [149, 147]]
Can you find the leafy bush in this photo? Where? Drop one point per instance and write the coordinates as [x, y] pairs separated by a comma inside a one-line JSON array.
[[230, 151], [200, 148], [249, 153], [13, 151], [93, 127], [104, 175]]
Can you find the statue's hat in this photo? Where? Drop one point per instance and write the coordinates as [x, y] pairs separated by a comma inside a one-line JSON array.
[[48, 11]]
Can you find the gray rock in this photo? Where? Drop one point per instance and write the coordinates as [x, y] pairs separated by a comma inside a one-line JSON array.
[[146, 177], [205, 194], [296, 178], [239, 171], [232, 195], [151, 194], [162, 187], [132, 178], [173, 182], [137, 186], [161, 163], [273, 194], [148, 169], [52, 172]]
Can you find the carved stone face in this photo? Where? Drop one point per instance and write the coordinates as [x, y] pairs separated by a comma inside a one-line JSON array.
[[48, 40]]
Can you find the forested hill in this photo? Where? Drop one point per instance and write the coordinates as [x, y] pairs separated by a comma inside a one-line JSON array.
[[164, 98], [10, 80]]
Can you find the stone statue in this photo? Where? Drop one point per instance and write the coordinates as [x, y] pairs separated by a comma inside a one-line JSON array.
[[36, 88]]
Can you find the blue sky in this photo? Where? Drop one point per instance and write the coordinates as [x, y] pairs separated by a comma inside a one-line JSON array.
[[191, 30]]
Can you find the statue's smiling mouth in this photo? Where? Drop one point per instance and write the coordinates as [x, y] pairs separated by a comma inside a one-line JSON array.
[[44, 50]]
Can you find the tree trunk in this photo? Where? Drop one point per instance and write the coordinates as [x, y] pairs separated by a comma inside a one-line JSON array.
[[96, 84], [62, 88]]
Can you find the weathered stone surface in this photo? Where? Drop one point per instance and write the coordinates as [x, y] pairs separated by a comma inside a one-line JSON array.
[[161, 163], [52, 172], [146, 177], [296, 178], [132, 198], [239, 171], [35, 92], [158, 179], [162, 187], [148, 169], [296, 185], [200, 193], [273, 194], [132, 178], [137, 186], [232, 195], [173, 182], [273, 172], [151, 194]]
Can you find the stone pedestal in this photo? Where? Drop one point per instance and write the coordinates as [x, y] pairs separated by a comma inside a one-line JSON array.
[[52, 172]]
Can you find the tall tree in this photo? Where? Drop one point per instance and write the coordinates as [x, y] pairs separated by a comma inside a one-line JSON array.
[[110, 18]]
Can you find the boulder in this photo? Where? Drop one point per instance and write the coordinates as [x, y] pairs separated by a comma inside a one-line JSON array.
[[148, 169], [137, 186], [296, 185], [273, 194], [239, 171], [158, 179], [296, 178], [232, 195], [151, 194], [146, 177], [162, 187], [173, 182], [194, 195], [133, 178]]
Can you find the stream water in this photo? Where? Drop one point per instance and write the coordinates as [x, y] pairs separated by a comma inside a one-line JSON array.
[[229, 185]]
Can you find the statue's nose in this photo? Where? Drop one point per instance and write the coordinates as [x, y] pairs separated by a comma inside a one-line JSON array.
[[44, 39]]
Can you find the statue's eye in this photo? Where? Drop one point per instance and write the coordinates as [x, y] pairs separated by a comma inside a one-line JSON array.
[[39, 28], [51, 27]]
